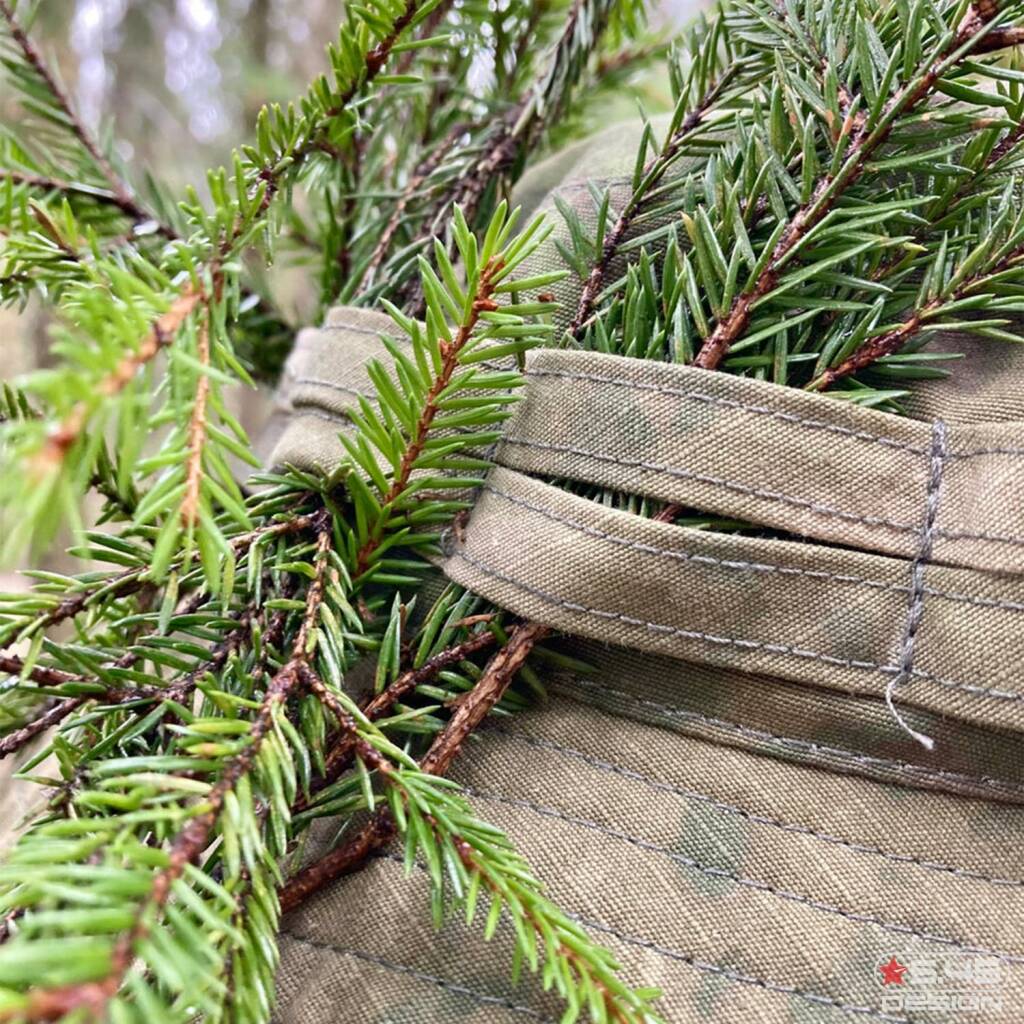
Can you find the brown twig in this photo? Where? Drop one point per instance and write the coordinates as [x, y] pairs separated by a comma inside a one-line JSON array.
[[450, 352], [160, 335], [132, 580], [93, 997], [38, 674], [893, 340], [864, 142], [475, 705], [105, 197], [653, 172], [470, 711], [340, 755], [197, 432]]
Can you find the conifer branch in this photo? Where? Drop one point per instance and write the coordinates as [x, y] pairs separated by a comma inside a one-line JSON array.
[[161, 334], [451, 350], [93, 997], [654, 171], [121, 194], [864, 141], [340, 755]]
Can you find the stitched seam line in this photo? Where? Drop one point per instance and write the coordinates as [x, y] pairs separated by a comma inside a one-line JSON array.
[[433, 979], [915, 612], [758, 492], [352, 329], [765, 567], [712, 639], [702, 965], [699, 396], [330, 385], [776, 414], [734, 975], [730, 403], [792, 742], [751, 816], [731, 876]]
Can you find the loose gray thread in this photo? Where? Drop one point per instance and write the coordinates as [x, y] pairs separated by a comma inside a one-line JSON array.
[[433, 979], [658, 785], [915, 613], [758, 492], [793, 743], [704, 966], [765, 567], [713, 639], [732, 876]]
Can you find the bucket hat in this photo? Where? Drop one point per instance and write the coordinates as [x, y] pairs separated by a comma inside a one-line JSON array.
[[789, 789]]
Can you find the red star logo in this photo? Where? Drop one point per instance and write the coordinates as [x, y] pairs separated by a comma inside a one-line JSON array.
[[892, 972]]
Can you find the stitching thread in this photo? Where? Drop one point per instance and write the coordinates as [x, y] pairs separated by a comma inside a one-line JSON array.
[[758, 492], [731, 403], [915, 613], [448, 986], [766, 567], [802, 746], [756, 819], [777, 414], [726, 641], [732, 876]]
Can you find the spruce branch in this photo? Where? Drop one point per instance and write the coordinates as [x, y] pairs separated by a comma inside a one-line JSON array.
[[122, 194], [714, 68], [856, 145]]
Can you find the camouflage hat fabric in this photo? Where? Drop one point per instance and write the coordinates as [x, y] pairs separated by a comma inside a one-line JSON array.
[[740, 801]]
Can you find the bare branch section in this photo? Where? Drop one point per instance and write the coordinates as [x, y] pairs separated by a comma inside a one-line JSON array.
[[471, 710], [864, 143], [197, 432]]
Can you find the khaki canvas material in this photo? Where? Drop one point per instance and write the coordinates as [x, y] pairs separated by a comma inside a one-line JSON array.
[[726, 800]]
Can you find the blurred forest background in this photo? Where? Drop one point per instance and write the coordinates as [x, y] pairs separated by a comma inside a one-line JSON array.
[[174, 85]]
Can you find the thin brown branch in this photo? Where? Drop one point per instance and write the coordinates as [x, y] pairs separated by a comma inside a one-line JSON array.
[[653, 172], [470, 711], [1001, 39], [893, 340], [160, 335], [38, 674], [450, 352], [412, 188], [132, 580], [121, 193], [197, 432], [340, 756], [52, 715], [475, 705], [864, 143], [192, 840], [104, 197]]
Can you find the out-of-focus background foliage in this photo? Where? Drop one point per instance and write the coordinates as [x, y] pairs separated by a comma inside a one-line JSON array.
[[175, 84]]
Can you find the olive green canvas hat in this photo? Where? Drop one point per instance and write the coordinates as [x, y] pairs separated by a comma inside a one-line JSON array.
[[790, 790]]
